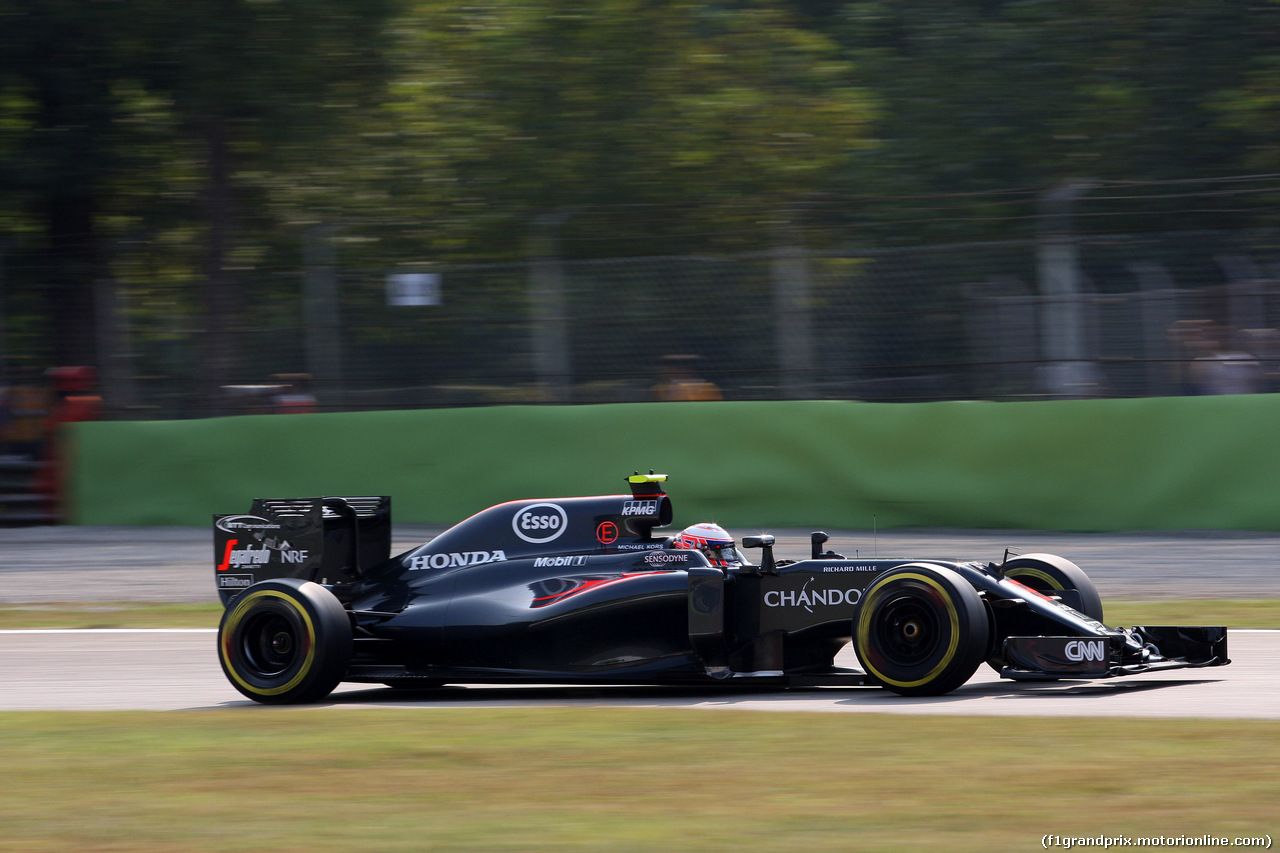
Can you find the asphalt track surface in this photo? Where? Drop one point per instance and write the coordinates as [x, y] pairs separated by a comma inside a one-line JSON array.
[[172, 670], [164, 670]]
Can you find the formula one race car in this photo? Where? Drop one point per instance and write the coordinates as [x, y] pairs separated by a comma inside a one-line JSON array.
[[581, 591]]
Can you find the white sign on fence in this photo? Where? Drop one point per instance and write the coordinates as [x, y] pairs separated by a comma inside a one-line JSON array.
[[412, 289]]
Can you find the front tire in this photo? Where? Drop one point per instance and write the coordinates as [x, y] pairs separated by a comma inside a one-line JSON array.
[[920, 630], [1049, 574], [285, 641]]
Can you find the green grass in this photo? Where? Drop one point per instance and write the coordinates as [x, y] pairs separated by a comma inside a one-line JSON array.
[[555, 779], [321, 779], [1234, 613], [109, 615]]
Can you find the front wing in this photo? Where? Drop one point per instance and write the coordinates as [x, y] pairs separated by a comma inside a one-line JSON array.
[[1161, 647]]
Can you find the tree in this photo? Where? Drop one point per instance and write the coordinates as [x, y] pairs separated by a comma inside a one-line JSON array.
[[59, 62], [253, 86], [987, 103], [652, 123]]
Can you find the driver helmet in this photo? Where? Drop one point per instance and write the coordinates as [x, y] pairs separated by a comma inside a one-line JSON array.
[[713, 541]]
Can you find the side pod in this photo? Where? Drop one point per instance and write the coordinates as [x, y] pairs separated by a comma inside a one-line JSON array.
[[706, 620]]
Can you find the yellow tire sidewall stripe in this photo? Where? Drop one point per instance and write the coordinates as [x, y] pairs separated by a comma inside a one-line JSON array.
[[1027, 572], [864, 628], [242, 606]]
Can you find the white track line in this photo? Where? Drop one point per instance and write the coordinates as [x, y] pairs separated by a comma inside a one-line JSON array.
[[1230, 630], [109, 631]]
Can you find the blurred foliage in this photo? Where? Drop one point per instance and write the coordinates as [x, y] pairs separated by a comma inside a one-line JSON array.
[[625, 120], [184, 149], [988, 104]]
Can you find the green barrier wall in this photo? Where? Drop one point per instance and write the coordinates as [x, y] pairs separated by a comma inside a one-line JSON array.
[[1148, 464]]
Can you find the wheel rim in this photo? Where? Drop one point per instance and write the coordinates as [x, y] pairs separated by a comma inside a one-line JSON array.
[[272, 644], [906, 631], [269, 644]]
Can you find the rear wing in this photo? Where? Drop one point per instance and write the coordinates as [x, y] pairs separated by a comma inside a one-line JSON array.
[[327, 540]]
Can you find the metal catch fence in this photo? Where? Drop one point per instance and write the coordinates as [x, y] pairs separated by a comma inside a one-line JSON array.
[[1054, 317]]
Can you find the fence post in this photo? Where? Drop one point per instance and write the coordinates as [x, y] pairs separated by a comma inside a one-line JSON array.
[[1061, 320], [4, 354], [792, 311], [115, 355], [547, 308], [1246, 301], [1159, 314], [320, 316]]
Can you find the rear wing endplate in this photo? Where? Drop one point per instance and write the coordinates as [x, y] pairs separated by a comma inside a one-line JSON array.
[[328, 540]]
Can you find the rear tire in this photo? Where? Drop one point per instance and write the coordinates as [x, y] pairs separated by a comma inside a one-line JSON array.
[[285, 641], [920, 630]]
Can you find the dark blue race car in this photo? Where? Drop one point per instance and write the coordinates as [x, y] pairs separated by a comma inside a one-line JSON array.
[[582, 590]]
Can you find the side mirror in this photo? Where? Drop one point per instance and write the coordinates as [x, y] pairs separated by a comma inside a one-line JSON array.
[[765, 543], [817, 539]]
